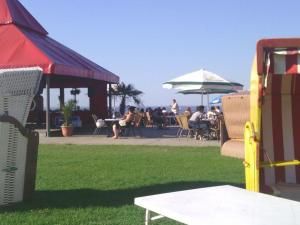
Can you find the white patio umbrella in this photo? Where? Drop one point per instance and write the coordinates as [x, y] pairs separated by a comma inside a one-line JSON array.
[[202, 82], [202, 79]]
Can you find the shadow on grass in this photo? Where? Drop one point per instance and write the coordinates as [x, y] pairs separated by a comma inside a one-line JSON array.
[[80, 198], [143, 132]]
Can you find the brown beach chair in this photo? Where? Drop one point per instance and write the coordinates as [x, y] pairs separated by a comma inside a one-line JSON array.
[[236, 110]]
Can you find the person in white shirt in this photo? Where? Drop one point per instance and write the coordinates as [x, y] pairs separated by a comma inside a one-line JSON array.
[[198, 122], [212, 113], [164, 110], [197, 117], [217, 110], [188, 112], [175, 107]]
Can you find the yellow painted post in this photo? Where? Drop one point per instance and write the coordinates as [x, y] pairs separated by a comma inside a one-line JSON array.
[[251, 156], [252, 134]]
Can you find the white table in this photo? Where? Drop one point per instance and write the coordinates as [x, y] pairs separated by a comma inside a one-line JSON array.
[[109, 122], [112, 120], [221, 205]]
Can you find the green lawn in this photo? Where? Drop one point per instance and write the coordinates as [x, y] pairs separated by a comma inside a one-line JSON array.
[[97, 184]]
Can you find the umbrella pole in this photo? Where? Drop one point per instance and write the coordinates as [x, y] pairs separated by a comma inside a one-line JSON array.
[[207, 102], [48, 128], [202, 99]]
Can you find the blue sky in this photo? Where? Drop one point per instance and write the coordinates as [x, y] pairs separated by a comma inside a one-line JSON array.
[[149, 42]]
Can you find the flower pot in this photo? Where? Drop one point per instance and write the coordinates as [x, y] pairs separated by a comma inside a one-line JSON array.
[[67, 131]]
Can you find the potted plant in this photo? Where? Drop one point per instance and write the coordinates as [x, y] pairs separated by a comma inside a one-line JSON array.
[[75, 92], [66, 128]]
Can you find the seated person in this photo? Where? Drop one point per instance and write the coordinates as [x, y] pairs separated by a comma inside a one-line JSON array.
[[158, 118], [212, 113], [149, 116], [188, 112], [144, 117], [164, 116], [218, 110], [127, 119], [164, 111], [196, 121]]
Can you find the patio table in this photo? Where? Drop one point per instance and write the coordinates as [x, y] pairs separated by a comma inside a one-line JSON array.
[[112, 119], [217, 205], [109, 122]]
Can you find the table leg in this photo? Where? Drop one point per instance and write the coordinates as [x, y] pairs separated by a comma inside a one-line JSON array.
[[109, 129], [147, 217]]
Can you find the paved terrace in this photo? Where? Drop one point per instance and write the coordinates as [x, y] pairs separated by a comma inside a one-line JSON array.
[[144, 136]]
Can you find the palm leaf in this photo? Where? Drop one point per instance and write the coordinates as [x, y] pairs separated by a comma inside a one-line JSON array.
[[127, 92]]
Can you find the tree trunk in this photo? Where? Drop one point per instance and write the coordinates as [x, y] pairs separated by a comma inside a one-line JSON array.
[[123, 105]]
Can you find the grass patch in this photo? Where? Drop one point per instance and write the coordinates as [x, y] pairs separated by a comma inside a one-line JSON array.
[[97, 184]]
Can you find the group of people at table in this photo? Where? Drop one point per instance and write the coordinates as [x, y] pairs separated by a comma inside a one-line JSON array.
[[198, 120], [158, 116]]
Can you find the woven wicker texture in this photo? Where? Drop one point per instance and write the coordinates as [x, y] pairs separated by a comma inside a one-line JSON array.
[[12, 155], [236, 109], [233, 148], [17, 89]]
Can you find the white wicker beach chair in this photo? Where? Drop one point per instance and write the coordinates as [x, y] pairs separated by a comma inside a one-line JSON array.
[[17, 89]]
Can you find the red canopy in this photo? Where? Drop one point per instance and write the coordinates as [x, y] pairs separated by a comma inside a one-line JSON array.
[[24, 42]]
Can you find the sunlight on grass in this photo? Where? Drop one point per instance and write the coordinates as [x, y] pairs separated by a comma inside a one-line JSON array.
[[97, 184]]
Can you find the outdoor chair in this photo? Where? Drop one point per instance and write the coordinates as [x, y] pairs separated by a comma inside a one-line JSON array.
[[180, 125], [138, 123], [214, 129], [236, 112], [143, 122], [150, 122], [272, 136], [185, 126], [18, 148], [133, 126], [99, 123], [204, 131]]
